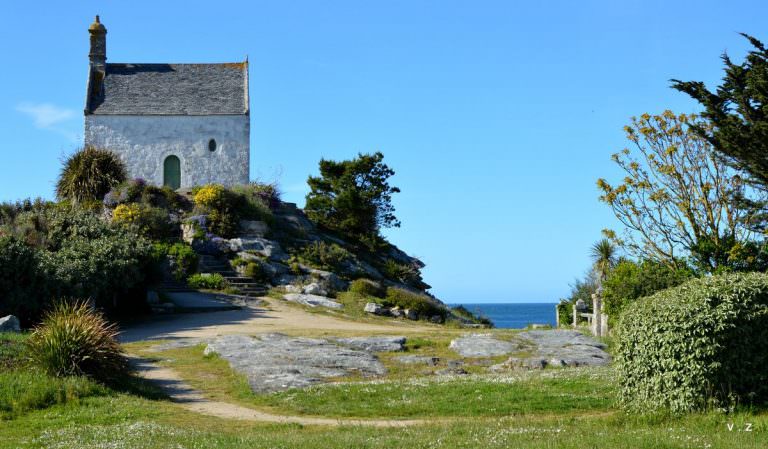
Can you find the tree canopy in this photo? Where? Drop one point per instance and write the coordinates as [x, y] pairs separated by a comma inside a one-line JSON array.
[[738, 112], [353, 197], [678, 200]]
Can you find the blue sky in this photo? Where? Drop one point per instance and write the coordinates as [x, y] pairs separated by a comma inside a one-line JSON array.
[[498, 116]]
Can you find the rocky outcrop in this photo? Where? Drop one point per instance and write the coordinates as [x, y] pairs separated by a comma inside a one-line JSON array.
[[276, 362], [542, 348], [313, 300], [374, 344], [484, 345], [10, 323]]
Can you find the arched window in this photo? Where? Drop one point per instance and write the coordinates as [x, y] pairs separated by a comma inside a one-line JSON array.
[[212, 145], [172, 172]]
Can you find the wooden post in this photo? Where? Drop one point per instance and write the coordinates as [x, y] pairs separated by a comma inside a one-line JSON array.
[[597, 314]]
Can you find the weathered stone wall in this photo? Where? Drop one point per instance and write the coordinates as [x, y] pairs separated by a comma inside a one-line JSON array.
[[143, 143]]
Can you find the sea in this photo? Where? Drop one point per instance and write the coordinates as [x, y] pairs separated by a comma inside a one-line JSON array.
[[514, 315]]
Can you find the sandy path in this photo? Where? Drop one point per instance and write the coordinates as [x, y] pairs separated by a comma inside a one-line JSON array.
[[253, 320], [193, 400]]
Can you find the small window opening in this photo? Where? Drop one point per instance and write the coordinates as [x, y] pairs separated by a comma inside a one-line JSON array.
[[212, 145]]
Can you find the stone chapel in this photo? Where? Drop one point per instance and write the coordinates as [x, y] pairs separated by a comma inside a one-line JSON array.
[[178, 125]]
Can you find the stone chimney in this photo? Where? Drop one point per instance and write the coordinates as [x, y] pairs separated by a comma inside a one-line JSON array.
[[98, 54]]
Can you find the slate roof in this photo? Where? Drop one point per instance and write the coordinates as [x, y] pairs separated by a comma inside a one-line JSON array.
[[169, 89]]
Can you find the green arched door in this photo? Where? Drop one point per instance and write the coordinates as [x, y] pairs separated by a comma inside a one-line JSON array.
[[172, 172]]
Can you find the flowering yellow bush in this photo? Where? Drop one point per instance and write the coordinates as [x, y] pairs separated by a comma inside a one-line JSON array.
[[210, 195], [126, 213]]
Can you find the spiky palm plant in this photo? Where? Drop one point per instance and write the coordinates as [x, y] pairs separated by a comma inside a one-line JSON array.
[[604, 258], [89, 174], [74, 339]]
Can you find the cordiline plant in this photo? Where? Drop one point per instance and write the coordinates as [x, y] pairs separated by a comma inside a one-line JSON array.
[[73, 340]]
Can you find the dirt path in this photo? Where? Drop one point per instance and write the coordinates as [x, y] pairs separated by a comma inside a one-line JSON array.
[[189, 398], [252, 320]]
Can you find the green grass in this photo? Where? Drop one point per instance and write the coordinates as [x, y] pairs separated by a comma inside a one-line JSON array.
[[12, 350], [131, 422], [549, 391], [533, 410], [28, 389]]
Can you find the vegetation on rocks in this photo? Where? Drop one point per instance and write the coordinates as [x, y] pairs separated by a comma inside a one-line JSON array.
[[209, 281]]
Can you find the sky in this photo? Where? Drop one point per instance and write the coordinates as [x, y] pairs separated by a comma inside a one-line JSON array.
[[497, 116]]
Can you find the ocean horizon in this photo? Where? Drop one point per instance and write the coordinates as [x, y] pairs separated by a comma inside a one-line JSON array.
[[513, 315]]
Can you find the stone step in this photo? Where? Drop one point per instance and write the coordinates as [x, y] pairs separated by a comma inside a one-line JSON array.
[[215, 266]]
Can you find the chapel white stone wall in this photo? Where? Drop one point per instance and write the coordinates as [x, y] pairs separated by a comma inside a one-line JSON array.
[[143, 143]]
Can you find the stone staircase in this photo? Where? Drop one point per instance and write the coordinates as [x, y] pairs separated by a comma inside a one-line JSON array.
[[245, 286]]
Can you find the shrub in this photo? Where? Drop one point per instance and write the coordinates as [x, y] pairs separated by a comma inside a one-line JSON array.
[[209, 281], [221, 205], [75, 340], [183, 260], [407, 274], [139, 192], [367, 287], [564, 311], [629, 281], [213, 196], [463, 312], [256, 201], [324, 256], [700, 344], [422, 304], [89, 174], [22, 283], [256, 271]]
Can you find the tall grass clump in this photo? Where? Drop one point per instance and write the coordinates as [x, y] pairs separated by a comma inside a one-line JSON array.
[[89, 174], [74, 340]]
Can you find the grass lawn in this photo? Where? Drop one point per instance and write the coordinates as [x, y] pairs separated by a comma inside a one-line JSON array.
[[545, 409], [127, 421], [550, 391]]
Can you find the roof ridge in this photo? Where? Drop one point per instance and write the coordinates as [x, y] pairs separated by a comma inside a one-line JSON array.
[[178, 63]]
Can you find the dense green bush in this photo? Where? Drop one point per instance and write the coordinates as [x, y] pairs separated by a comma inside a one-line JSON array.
[[629, 281], [83, 256], [183, 260], [367, 287], [222, 207], [425, 306], [209, 281], [89, 174], [703, 343], [74, 340], [324, 256], [23, 286], [149, 221]]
